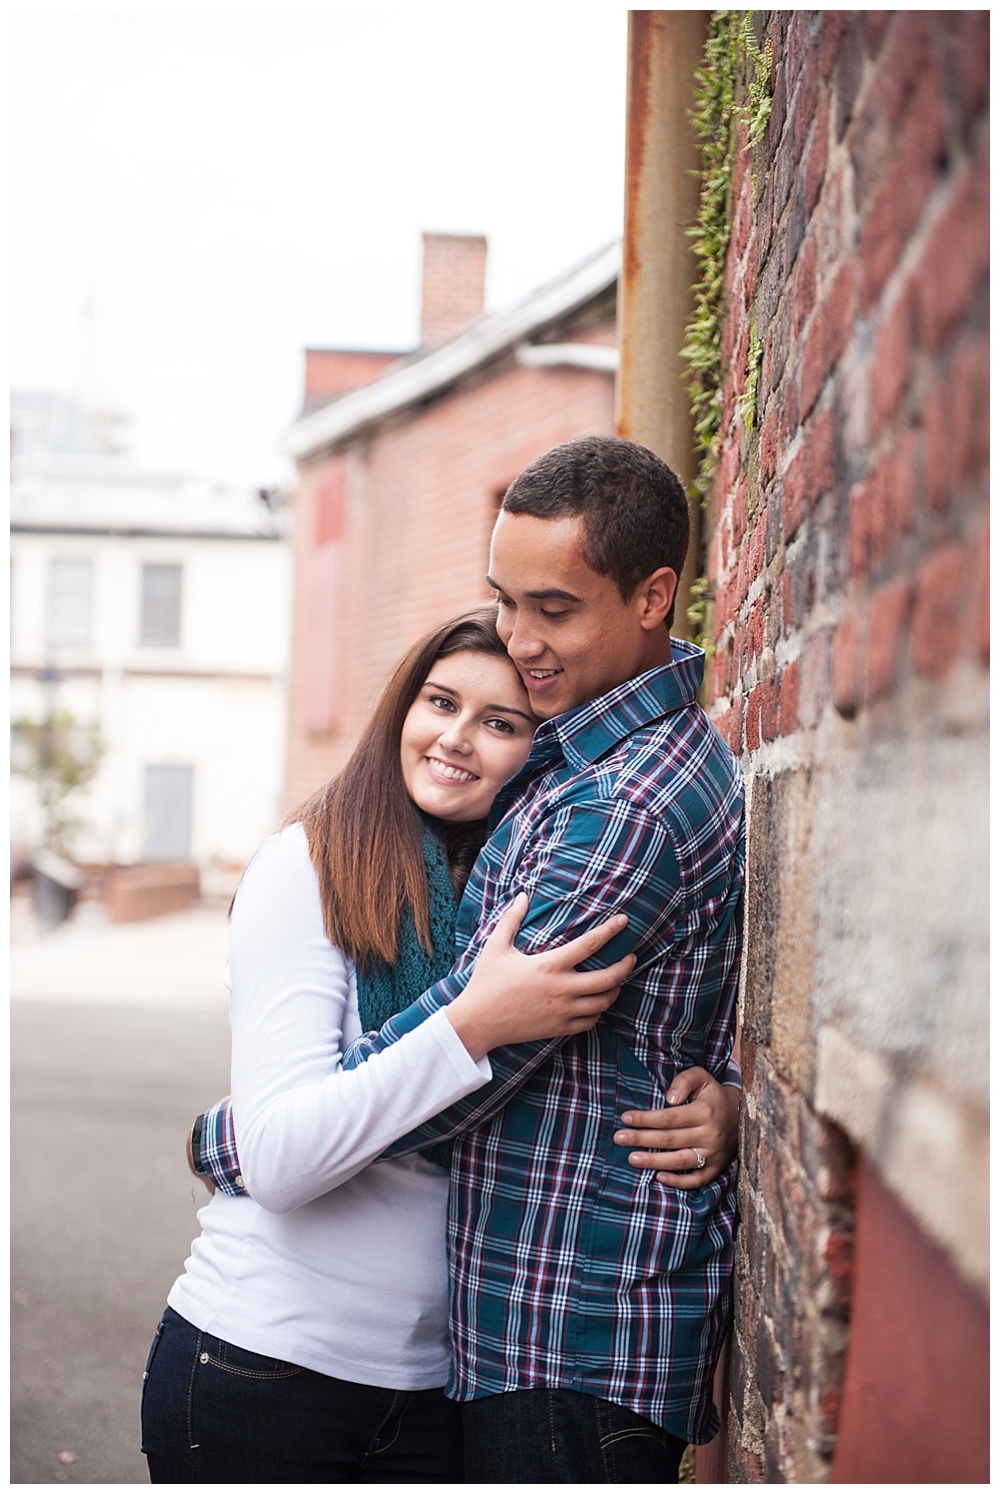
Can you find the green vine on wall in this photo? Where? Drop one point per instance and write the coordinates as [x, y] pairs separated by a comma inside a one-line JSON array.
[[719, 106]]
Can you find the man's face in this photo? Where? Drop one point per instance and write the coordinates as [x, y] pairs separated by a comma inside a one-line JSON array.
[[566, 628]]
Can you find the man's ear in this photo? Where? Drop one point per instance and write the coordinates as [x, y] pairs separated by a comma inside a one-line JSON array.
[[655, 596]]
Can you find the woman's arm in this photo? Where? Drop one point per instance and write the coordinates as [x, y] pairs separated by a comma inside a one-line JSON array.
[[304, 1125]]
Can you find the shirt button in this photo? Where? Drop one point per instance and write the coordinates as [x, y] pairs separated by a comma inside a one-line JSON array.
[[204, 1358], [238, 1180]]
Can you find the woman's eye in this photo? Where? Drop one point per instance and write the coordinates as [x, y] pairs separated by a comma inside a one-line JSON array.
[[498, 723], [442, 702]]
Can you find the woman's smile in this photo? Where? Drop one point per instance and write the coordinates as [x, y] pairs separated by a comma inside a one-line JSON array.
[[450, 771]]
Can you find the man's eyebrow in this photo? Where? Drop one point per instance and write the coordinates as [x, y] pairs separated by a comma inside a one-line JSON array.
[[551, 593], [506, 710]]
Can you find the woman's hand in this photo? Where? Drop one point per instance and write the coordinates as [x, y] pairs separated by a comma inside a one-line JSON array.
[[518, 998], [703, 1121]]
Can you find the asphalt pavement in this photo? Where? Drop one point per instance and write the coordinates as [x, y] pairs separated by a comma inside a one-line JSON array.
[[120, 1035]]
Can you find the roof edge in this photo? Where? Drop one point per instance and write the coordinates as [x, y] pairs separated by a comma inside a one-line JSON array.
[[485, 340]]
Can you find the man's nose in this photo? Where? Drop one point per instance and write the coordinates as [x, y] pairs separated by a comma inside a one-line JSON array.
[[523, 643]]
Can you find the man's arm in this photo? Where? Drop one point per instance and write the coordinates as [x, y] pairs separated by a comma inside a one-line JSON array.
[[597, 859]]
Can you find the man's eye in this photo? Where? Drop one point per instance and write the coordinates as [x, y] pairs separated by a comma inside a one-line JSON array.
[[546, 613]]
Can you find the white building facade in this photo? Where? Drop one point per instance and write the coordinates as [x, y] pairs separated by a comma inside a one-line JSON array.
[[158, 609]]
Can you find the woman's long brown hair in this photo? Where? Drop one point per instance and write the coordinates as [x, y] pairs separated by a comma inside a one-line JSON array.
[[364, 830]]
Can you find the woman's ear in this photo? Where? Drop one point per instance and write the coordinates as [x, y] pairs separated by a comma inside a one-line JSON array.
[[656, 596]]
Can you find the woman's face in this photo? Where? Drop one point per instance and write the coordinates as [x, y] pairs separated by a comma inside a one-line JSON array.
[[467, 732]]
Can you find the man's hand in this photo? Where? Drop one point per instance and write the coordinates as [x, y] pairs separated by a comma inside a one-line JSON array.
[[703, 1120], [199, 1175]]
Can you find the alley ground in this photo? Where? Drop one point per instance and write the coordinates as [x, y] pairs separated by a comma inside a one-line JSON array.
[[120, 1035]]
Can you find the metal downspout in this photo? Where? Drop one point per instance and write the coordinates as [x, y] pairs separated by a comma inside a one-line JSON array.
[[655, 298]]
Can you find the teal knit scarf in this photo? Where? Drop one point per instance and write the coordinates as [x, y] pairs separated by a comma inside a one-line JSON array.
[[385, 990]]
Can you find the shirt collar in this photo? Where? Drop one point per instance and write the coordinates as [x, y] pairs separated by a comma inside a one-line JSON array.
[[587, 732]]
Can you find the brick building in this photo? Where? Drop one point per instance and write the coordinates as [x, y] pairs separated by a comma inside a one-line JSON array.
[[402, 464], [846, 546]]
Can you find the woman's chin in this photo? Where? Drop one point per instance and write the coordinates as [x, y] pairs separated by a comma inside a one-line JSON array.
[[447, 804]]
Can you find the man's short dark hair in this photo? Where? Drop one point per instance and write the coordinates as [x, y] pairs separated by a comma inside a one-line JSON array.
[[634, 511]]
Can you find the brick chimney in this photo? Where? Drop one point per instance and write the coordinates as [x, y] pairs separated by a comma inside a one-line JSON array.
[[454, 278]]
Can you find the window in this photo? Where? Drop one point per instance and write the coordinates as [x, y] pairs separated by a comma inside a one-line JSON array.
[[160, 622], [169, 791], [68, 620]]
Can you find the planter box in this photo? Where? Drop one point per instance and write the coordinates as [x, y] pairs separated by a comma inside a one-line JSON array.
[[148, 891]]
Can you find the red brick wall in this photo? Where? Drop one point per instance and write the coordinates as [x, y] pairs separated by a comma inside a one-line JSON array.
[[419, 500], [848, 559]]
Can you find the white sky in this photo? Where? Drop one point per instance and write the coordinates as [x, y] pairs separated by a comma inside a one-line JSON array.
[[227, 186]]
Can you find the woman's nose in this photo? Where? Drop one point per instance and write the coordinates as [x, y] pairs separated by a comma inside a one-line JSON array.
[[455, 735]]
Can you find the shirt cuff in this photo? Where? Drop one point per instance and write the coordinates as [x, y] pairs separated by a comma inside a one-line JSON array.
[[458, 1054], [733, 1075]]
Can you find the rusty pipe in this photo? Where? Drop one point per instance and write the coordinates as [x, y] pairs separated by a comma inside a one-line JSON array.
[[655, 296]]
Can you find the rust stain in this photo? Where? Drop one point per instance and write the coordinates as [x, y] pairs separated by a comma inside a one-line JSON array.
[[641, 24]]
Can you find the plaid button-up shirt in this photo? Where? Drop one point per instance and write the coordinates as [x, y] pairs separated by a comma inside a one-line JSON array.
[[569, 1267]]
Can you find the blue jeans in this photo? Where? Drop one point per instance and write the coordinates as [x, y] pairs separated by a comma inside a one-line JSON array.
[[564, 1437], [213, 1413]]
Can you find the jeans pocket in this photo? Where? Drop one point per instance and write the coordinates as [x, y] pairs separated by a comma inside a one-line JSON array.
[[245, 1363]]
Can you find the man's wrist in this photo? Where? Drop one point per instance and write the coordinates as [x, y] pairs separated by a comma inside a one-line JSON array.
[[197, 1131]]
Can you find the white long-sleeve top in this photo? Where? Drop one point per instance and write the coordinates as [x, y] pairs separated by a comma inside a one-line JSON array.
[[335, 1262]]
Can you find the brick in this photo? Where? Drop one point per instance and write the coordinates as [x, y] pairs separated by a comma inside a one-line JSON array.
[[972, 60], [753, 719], [956, 259], [816, 159], [827, 1156], [882, 508], [846, 665], [816, 667], [798, 44], [938, 617], [828, 334], [957, 425], [789, 620], [860, 503], [789, 718], [740, 509], [834, 25], [770, 707], [847, 73], [908, 182], [736, 727], [876, 25], [804, 286], [888, 614], [895, 345], [768, 447], [754, 632], [820, 440], [804, 107], [983, 593]]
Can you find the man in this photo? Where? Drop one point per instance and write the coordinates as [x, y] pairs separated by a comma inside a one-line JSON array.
[[588, 1302]]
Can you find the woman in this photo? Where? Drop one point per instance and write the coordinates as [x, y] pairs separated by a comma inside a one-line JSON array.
[[306, 1340]]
